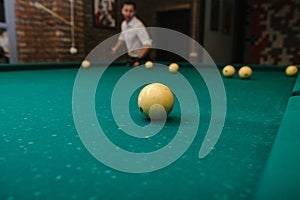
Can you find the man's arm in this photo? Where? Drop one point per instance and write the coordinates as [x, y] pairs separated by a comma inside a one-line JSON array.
[[145, 51], [117, 45], [146, 41]]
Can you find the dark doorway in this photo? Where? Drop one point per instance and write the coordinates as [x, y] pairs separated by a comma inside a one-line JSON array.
[[2, 16], [240, 31], [178, 20]]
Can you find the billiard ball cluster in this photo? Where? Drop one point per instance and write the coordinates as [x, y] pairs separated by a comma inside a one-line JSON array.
[[173, 67], [155, 100], [245, 72]]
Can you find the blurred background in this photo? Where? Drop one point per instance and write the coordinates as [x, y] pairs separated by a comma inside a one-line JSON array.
[[232, 31]]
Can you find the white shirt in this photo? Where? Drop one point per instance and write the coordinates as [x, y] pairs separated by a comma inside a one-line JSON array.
[[135, 36], [4, 43]]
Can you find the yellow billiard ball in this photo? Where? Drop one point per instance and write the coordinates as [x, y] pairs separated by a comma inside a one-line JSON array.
[[245, 72], [156, 101], [149, 64], [173, 67], [291, 70], [85, 64], [228, 71]]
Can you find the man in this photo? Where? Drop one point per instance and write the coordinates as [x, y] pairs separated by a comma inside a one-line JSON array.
[[134, 34]]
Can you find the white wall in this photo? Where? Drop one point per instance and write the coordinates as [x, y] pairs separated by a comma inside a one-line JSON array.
[[218, 44]]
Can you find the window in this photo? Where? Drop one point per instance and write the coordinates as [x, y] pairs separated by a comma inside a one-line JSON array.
[[7, 23], [2, 16]]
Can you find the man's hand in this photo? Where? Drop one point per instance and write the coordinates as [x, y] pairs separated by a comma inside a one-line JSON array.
[[113, 50], [137, 63]]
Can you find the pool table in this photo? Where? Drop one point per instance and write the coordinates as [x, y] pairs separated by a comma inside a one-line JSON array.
[[42, 154]]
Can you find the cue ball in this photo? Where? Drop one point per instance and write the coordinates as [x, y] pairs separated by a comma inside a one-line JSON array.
[[85, 64], [245, 72], [173, 67], [291, 70], [156, 101], [228, 71], [149, 64]]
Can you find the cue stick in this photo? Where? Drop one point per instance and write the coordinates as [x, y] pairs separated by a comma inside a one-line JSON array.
[[72, 23], [55, 15], [41, 7]]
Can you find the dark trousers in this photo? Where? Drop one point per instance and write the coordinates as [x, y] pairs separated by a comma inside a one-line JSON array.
[[132, 60], [4, 59]]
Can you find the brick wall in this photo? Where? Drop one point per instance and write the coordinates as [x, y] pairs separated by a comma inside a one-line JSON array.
[[273, 32], [43, 38]]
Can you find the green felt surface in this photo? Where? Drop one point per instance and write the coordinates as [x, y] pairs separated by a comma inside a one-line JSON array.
[[281, 178], [41, 155]]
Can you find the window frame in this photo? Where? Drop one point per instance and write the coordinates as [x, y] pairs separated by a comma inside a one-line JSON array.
[[10, 26]]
